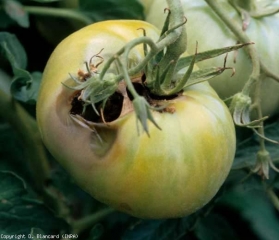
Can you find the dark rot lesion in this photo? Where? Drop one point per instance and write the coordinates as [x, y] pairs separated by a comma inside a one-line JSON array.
[[118, 104], [111, 111]]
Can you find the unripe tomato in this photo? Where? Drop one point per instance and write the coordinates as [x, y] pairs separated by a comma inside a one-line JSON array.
[[207, 28], [171, 173]]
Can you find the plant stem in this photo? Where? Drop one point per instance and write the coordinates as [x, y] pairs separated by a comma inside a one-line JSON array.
[[177, 48], [274, 199], [58, 12], [259, 113], [89, 221], [243, 38], [175, 24], [125, 50], [256, 64]]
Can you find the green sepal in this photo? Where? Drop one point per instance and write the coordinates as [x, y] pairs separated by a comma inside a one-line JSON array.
[[93, 90], [25, 88], [166, 23], [143, 113], [204, 75], [240, 109], [263, 164], [186, 61], [156, 85], [165, 28], [13, 50], [15, 10], [187, 76]]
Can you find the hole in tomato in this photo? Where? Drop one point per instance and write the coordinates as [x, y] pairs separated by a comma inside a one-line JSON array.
[[111, 111], [143, 78], [140, 89]]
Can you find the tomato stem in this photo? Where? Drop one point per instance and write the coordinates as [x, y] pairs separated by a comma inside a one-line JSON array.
[[174, 40], [161, 64], [273, 197], [126, 49], [242, 37], [58, 12], [141, 106], [89, 221], [253, 79]]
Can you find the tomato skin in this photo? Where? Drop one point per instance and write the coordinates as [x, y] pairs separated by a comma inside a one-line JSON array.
[[172, 173], [207, 28]]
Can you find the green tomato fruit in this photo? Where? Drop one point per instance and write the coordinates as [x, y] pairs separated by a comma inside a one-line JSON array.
[[172, 173]]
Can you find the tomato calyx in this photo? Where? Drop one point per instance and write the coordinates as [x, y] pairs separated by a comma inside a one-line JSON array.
[[121, 103], [163, 78], [240, 108], [264, 162], [97, 88]]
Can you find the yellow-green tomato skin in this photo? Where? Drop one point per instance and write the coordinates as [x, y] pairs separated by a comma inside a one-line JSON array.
[[171, 173], [176, 170], [206, 28]]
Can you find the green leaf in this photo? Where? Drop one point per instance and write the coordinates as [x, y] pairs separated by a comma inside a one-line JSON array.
[[5, 82], [215, 227], [243, 179], [25, 85], [74, 194], [19, 212], [185, 61], [26, 88], [35, 232], [203, 75], [254, 206], [5, 20], [276, 182], [13, 50], [15, 11], [146, 230], [12, 152], [96, 232], [100, 10], [161, 229]]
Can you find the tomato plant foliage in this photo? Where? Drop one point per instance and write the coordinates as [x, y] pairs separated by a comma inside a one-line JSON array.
[[37, 196], [258, 18]]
